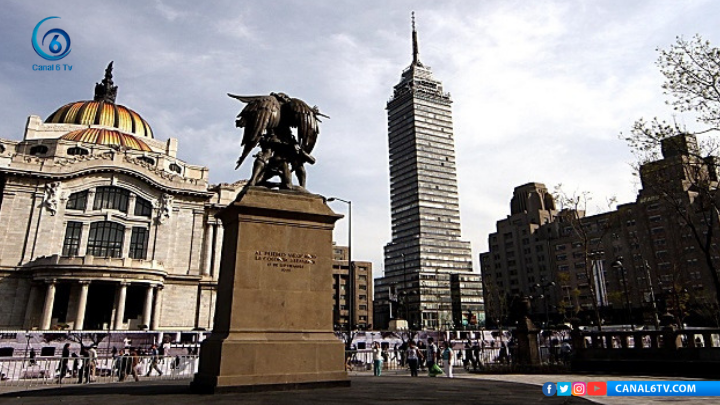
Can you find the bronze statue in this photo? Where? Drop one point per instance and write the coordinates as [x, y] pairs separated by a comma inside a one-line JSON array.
[[268, 123]]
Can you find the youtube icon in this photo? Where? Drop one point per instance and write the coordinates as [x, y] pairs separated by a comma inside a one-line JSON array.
[[597, 388]]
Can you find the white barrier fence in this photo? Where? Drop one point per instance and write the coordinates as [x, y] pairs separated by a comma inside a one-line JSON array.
[[77, 370], [362, 359]]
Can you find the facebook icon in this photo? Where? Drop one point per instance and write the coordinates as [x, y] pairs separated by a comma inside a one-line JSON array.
[[549, 389]]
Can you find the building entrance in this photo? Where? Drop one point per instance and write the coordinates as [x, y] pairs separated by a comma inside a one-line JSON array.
[[101, 298]]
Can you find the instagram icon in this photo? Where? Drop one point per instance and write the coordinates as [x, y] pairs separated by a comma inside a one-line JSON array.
[[578, 389]]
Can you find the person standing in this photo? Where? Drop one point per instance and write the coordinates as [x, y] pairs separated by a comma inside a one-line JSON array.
[[84, 363], [377, 359], [503, 354], [33, 356], [413, 355], [92, 364], [448, 356], [64, 359], [423, 349]]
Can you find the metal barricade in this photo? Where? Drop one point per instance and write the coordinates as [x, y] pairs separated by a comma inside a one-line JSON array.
[[78, 370]]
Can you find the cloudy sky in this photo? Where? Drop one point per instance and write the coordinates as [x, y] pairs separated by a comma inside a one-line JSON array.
[[541, 89]]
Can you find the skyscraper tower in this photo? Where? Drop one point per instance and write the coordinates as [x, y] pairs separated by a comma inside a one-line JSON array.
[[426, 248]]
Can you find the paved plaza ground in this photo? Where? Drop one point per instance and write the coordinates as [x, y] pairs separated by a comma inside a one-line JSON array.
[[394, 387]]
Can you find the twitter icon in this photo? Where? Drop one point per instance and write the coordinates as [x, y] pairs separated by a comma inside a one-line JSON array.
[[563, 389]]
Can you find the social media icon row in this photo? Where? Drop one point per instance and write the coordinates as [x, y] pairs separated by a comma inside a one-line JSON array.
[[577, 389]]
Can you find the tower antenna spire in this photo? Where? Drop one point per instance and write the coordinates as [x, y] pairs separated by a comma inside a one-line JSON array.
[[416, 52]]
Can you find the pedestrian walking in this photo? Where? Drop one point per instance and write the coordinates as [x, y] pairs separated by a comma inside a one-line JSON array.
[[377, 359], [154, 359], [134, 364], [92, 364], [432, 356]]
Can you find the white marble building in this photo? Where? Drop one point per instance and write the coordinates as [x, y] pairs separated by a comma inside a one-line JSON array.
[[103, 227]]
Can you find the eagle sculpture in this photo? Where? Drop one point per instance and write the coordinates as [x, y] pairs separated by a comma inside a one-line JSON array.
[[268, 122]]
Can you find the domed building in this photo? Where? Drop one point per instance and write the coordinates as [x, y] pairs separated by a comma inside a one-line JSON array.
[[103, 227]]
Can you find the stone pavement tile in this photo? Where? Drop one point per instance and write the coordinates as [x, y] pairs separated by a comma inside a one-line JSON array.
[[365, 390]]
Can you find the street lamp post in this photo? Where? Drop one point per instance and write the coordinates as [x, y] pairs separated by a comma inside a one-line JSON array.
[[543, 288], [27, 347], [652, 297], [351, 271]]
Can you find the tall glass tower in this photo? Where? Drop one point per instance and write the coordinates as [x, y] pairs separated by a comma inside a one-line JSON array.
[[426, 249]]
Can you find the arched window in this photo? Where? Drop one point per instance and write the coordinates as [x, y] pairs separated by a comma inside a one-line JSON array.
[[143, 207], [176, 168], [105, 239], [78, 151], [38, 150], [114, 198], [77, 201]]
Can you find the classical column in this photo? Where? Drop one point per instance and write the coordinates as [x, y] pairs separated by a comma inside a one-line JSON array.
[[207, 256], [217, 249], [147, 308], [30, 316], [120, 305], [48, 308], [81, 305], [155, 324]]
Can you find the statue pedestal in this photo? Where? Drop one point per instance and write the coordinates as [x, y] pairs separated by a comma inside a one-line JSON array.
[[273, 316]]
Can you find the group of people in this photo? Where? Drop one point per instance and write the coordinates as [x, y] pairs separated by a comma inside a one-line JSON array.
[[129, 362], [84, 365], [415, 356], [124, 363]]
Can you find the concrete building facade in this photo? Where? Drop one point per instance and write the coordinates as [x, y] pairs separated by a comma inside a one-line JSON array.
[[363, 292], [653, 256]]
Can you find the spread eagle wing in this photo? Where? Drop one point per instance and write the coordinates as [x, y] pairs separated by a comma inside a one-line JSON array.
[[260, 114], [305, 119]]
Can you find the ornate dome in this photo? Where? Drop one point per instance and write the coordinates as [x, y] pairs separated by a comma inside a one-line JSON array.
[[102, 111], [109, 137]]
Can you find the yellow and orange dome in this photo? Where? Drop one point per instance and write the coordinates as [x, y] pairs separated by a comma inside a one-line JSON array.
[[100, 112], [109, 137]]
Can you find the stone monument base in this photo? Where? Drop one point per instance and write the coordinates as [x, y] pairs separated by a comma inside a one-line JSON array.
[[273, 316], [272, 361]]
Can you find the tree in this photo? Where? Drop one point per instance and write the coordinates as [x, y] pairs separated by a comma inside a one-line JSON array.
[[587, 235], [692, 81]]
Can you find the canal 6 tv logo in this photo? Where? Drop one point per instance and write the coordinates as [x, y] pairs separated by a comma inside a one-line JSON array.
[[53, 44]]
